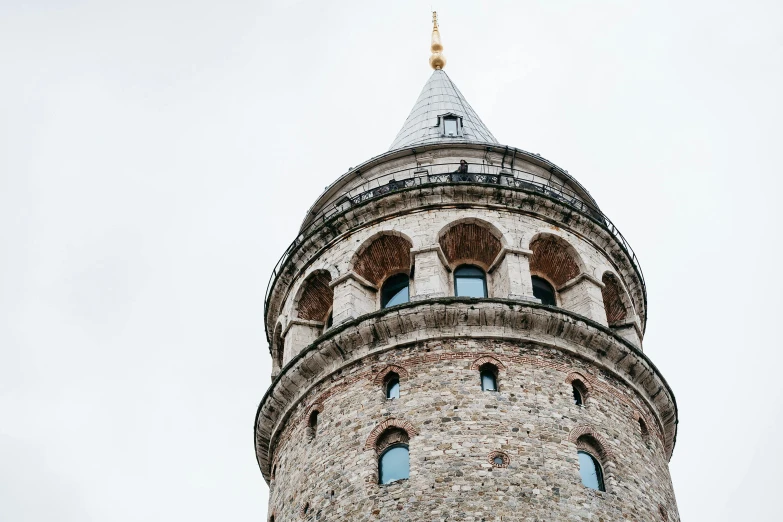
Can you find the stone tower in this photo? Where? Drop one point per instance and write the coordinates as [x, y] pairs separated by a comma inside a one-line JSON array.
[[456, 334]]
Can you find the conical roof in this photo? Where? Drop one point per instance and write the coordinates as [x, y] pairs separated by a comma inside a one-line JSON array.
[[440, 97]]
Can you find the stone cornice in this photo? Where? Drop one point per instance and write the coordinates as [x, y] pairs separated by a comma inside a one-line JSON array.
[[506, 250], [454, 318], [435, 248]]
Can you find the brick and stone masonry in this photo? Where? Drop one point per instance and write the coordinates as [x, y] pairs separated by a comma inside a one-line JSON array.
[[505, 455]]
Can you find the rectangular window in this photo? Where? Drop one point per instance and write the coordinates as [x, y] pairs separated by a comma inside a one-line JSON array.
[[451, 126]]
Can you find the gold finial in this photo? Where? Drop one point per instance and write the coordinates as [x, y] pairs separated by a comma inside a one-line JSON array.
[[437, 60]]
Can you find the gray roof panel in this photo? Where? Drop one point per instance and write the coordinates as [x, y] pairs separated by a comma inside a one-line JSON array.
[[440, 96]]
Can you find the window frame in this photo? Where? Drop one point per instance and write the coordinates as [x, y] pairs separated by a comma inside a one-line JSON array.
[[483, 278], [534, 278], [385, 451], [490, 370], [390, 281], [599, 472], [393, 378]]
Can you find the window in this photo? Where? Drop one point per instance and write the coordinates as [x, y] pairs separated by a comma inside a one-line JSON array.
[[330, 319], [395, 290], [577, 395], [312, 424], [450, 126], [470, 281], [498, 461], [645, 432], [544, 291], [489, 377], [394, 464], [393, 386], [590, 471]]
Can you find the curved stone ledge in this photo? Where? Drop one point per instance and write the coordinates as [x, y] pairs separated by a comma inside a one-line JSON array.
[[464, 195], [454, 318]]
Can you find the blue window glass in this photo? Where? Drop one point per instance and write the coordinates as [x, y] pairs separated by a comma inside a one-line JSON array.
[[395, 291], [393, 388], [489, 377], [470, 281], [544, 291], [590, 471], [394, 464]]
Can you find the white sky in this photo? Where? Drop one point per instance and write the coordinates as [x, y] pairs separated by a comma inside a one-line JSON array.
[[156, 158]]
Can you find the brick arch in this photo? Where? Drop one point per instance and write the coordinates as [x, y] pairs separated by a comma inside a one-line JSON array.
[[383, 255], [481, 361], [554, 258], [315, 296], [380, 376], [586, 438], [388, 424], [575, 375], [317, 407], [616, 300], [470, 241]]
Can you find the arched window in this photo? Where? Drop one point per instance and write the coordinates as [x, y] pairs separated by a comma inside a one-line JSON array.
[[645, 432], [543, 290], [395, 290], [394, 464], [590, 471], [470, 281], [392, 386], [578, 398], [489, 377]]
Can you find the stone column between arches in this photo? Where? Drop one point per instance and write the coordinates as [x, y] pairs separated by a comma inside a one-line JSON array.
[[431, 274]]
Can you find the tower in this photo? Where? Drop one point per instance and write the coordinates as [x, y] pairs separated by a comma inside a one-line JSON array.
[[456, 334]]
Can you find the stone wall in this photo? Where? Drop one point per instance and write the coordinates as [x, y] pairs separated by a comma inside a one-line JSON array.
[[532, 419]]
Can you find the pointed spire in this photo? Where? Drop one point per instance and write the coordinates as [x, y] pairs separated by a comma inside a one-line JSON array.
[[437, 59]]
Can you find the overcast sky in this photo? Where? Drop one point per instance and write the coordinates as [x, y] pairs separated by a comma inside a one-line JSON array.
[[157, 157]]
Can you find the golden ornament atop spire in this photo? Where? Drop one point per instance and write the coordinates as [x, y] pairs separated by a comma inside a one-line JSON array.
[[437, 60]]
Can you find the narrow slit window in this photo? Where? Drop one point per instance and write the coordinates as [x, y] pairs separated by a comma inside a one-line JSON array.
[[577, 395], [393, 386]]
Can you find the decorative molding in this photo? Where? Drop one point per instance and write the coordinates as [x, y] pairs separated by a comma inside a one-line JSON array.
[[356, 277], [578, 279], [302, 322], [437, 249], [481, 361], [508, 250]]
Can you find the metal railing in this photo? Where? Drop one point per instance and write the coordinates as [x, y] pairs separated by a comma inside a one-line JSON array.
[[482, 174]]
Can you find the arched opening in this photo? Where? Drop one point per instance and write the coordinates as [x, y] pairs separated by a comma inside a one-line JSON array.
[[394, 464], [488, 374], [578, 399], [554, 259], [392, 386], [312, 424], [544, 291], [644, 431], [470, 281], [614, 299], [383, 256], [395, 290], [590, 471], [315, 297]]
